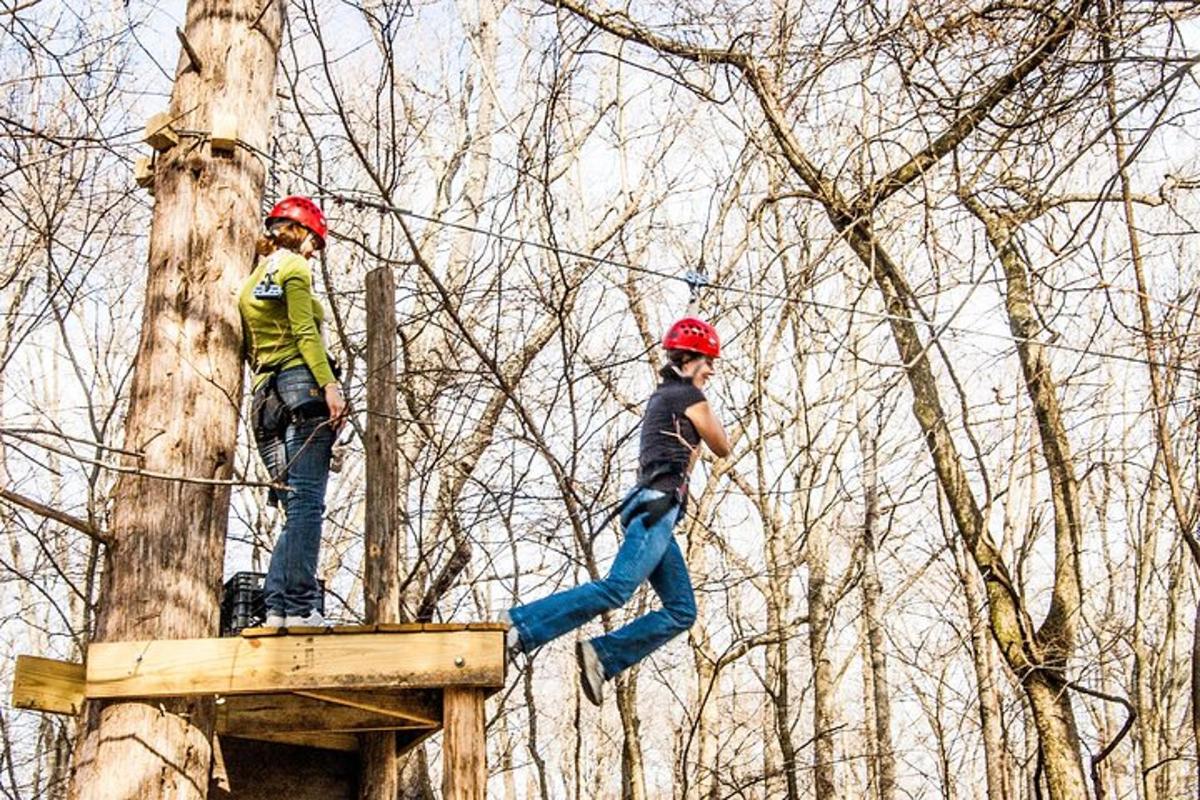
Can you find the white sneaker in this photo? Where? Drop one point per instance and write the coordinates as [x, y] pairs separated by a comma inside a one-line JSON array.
[[512, 637], [591, 672], [274, 620], [312, 619]]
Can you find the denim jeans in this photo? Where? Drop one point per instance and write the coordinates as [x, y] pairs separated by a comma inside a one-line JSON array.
[[648, 552], [300, 458]]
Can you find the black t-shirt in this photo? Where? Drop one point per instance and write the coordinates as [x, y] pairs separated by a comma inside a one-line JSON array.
[[668, 436]]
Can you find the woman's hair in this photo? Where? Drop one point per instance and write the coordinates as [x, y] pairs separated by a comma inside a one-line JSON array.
[[676, 361], [286, 234], [680, 358]]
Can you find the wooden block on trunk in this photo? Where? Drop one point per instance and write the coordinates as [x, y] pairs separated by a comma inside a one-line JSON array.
[[159, 133], [43, 684], [224, 132], [239, 665], [143, 173]]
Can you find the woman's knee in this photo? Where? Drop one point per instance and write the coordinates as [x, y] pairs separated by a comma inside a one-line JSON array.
[[682, 613], [614, 592]]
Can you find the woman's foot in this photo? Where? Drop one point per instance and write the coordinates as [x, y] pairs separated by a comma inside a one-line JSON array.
[[591, 672], [512, 637], [312, 619], [275, 619]]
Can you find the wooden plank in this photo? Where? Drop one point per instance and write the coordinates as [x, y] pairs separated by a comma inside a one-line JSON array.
[[239, 665], [250, 715], [420, 706], [44, 684], [464, 745], [342, 630], [308, 630], [344, 742], [399, 627], [262, 630]]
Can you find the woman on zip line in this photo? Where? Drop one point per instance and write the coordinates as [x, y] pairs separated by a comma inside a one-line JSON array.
[[677, 419], [298, 406]]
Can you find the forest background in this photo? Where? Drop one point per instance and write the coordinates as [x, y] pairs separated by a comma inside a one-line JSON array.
[[952, 255]]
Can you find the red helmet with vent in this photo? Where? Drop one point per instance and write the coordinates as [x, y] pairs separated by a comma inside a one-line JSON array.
[[304, 211], [694, 335]]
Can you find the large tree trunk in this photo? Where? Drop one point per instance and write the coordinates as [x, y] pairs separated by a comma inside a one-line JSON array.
[[163, 571]]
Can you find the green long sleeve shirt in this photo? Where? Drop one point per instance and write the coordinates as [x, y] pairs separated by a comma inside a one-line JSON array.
[[286, 331]]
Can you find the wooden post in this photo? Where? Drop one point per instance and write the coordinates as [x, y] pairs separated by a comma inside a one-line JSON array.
[[162, 572], [464, 746], [381, 567]]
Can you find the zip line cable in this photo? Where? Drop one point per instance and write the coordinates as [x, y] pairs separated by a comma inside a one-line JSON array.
[[374, 201]]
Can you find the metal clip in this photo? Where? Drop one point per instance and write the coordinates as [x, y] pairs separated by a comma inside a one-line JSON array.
[[696, 281]]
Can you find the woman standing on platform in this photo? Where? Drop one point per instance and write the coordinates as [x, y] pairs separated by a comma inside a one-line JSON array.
[[298, 406], [677, 419]]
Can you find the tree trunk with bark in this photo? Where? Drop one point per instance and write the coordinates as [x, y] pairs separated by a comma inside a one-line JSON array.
[[820, 623], [884, 760], [163, 570]]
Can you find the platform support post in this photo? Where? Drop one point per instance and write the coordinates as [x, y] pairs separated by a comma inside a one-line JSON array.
[[380, 778], [464, 746]]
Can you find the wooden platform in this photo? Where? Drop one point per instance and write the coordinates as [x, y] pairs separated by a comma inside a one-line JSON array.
[[315, 687]]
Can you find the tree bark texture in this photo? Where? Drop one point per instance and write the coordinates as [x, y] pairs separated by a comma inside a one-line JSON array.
[[872, 595], [986, 680], [163, 570], [1045, 680], [825, 701]]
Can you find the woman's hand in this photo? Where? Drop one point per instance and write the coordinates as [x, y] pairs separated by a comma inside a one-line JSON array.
[[337, 405]]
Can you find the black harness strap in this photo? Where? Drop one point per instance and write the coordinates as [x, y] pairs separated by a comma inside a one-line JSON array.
[[654, 509]]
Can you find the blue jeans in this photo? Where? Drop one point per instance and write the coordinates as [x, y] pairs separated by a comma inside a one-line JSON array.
[[648, 552], [300, 458]]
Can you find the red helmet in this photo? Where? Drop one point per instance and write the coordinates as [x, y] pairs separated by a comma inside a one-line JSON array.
[[304, 211], [694, 335]]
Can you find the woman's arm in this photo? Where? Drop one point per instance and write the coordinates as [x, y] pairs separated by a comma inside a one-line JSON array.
[[297, 291], [709, 428]]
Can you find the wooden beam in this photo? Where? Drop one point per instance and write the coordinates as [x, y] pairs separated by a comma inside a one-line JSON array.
[[464, 746], [237, 665], [419, 706], [344, 742], [379, 776], [43, 684], [255, 714]]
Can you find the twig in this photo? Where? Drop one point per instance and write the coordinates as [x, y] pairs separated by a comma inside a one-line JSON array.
[[142, 473], [76, 523]]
